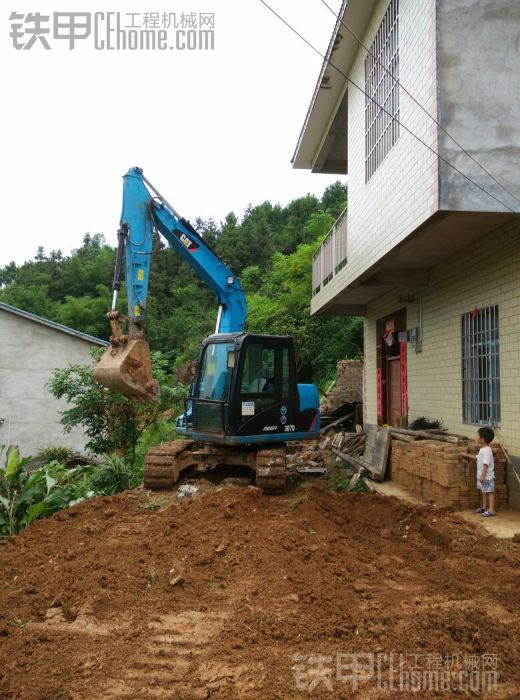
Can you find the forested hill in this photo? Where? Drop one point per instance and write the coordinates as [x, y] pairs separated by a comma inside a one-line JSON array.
[[270, 249]]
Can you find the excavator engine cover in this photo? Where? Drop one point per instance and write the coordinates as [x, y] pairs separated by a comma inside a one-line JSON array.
[[126, 368]]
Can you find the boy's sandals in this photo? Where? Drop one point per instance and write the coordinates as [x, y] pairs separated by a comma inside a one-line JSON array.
[[488, 514], [480, 510]]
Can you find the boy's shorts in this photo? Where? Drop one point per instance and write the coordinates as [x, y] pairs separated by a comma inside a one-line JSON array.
[[486, 486]]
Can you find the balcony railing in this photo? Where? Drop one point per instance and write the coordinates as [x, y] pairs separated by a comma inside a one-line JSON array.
[[331, 256]]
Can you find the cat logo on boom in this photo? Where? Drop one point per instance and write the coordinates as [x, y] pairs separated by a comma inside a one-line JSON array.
[[187, 242]]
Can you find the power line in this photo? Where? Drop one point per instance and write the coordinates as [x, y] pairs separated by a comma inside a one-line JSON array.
[[383, 109], [404, 89]]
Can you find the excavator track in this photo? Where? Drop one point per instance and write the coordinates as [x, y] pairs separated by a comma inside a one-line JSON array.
[[271, 470], [164, 463]]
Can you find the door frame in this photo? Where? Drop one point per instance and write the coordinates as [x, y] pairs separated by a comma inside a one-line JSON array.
[[383, 352], [393, 360]]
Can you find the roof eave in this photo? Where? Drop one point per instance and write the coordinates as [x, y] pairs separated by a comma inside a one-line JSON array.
[[327, 111], [52, 324]]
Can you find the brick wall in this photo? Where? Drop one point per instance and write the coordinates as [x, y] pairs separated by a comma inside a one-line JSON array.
[[488, 273], [444, 473]]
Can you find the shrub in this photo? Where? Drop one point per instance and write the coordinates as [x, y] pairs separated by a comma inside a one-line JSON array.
[[423, 423], [113, 476], [58, 454], [111, 422], [26, 496]]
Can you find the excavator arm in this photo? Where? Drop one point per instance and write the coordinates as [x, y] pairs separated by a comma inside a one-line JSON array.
[[145, 209], [125, 366]]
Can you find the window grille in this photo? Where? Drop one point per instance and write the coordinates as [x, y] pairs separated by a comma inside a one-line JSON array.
[[481, 367], [382, 91]]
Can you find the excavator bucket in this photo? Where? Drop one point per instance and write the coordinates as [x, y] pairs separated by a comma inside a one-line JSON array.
[[126, 368]]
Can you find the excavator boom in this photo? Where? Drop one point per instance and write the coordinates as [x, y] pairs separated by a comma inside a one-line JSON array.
[[126, 364]]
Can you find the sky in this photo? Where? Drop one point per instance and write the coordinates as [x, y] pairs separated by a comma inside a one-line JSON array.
[[213, 130]]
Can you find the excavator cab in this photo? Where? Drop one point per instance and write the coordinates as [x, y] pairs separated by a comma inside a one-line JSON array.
[[245, 390]]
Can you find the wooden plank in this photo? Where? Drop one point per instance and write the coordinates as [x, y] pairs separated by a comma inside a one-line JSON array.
[[334, 423], [403, 438], [424, 435], [374, 457], [370, 487], [375, 454], [352, 483], [353, 462]]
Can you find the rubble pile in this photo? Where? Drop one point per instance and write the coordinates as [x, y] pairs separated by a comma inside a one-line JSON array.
[[348, 443], [307, 459], [348, 387], [312, 459]]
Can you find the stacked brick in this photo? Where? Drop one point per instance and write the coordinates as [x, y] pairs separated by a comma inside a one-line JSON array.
[[444, 473]]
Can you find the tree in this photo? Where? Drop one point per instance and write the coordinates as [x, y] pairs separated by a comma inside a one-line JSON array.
[[33, 298], [75, 289], [8, 274], [296, 215], [281, 306], [208, 230], [56, 255], [86, 312], [40, 254], [111, 422], [334, 199]]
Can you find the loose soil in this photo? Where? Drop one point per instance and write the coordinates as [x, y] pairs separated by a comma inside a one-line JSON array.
[[213, 596]]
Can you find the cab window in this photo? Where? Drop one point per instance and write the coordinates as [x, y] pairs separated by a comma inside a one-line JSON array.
[[215, 374], [258, 376]]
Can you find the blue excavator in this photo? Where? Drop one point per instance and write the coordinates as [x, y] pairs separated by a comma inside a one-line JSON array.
[[244, 402]]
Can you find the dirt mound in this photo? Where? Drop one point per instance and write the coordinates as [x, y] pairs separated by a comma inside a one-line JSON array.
[[229, 593]]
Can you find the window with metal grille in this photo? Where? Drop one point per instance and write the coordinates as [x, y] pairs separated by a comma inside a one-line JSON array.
[[481, 367], [382, 91]]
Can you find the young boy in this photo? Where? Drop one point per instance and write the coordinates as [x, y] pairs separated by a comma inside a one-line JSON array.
[[486, 472]]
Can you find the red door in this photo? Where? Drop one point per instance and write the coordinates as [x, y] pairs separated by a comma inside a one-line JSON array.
[[393, 390]]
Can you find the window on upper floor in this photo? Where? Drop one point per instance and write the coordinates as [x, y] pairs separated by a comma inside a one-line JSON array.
[[382, 91], [481, 367]]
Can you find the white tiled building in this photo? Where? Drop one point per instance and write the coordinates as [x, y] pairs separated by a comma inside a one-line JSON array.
[[429, 259]]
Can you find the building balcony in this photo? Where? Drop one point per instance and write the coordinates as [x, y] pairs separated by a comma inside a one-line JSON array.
[[341, 289]]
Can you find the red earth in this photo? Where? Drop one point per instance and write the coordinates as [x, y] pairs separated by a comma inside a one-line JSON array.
[[233, 594]]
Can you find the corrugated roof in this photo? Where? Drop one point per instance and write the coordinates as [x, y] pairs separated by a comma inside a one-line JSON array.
[[51, 324]]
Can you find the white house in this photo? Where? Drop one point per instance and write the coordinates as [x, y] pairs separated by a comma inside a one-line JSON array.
[[31, 347], [428, 250]]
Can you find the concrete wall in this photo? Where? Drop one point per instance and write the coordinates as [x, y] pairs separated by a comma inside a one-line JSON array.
[[478, 277], [29, 352], [479, 83], [403, 192]]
